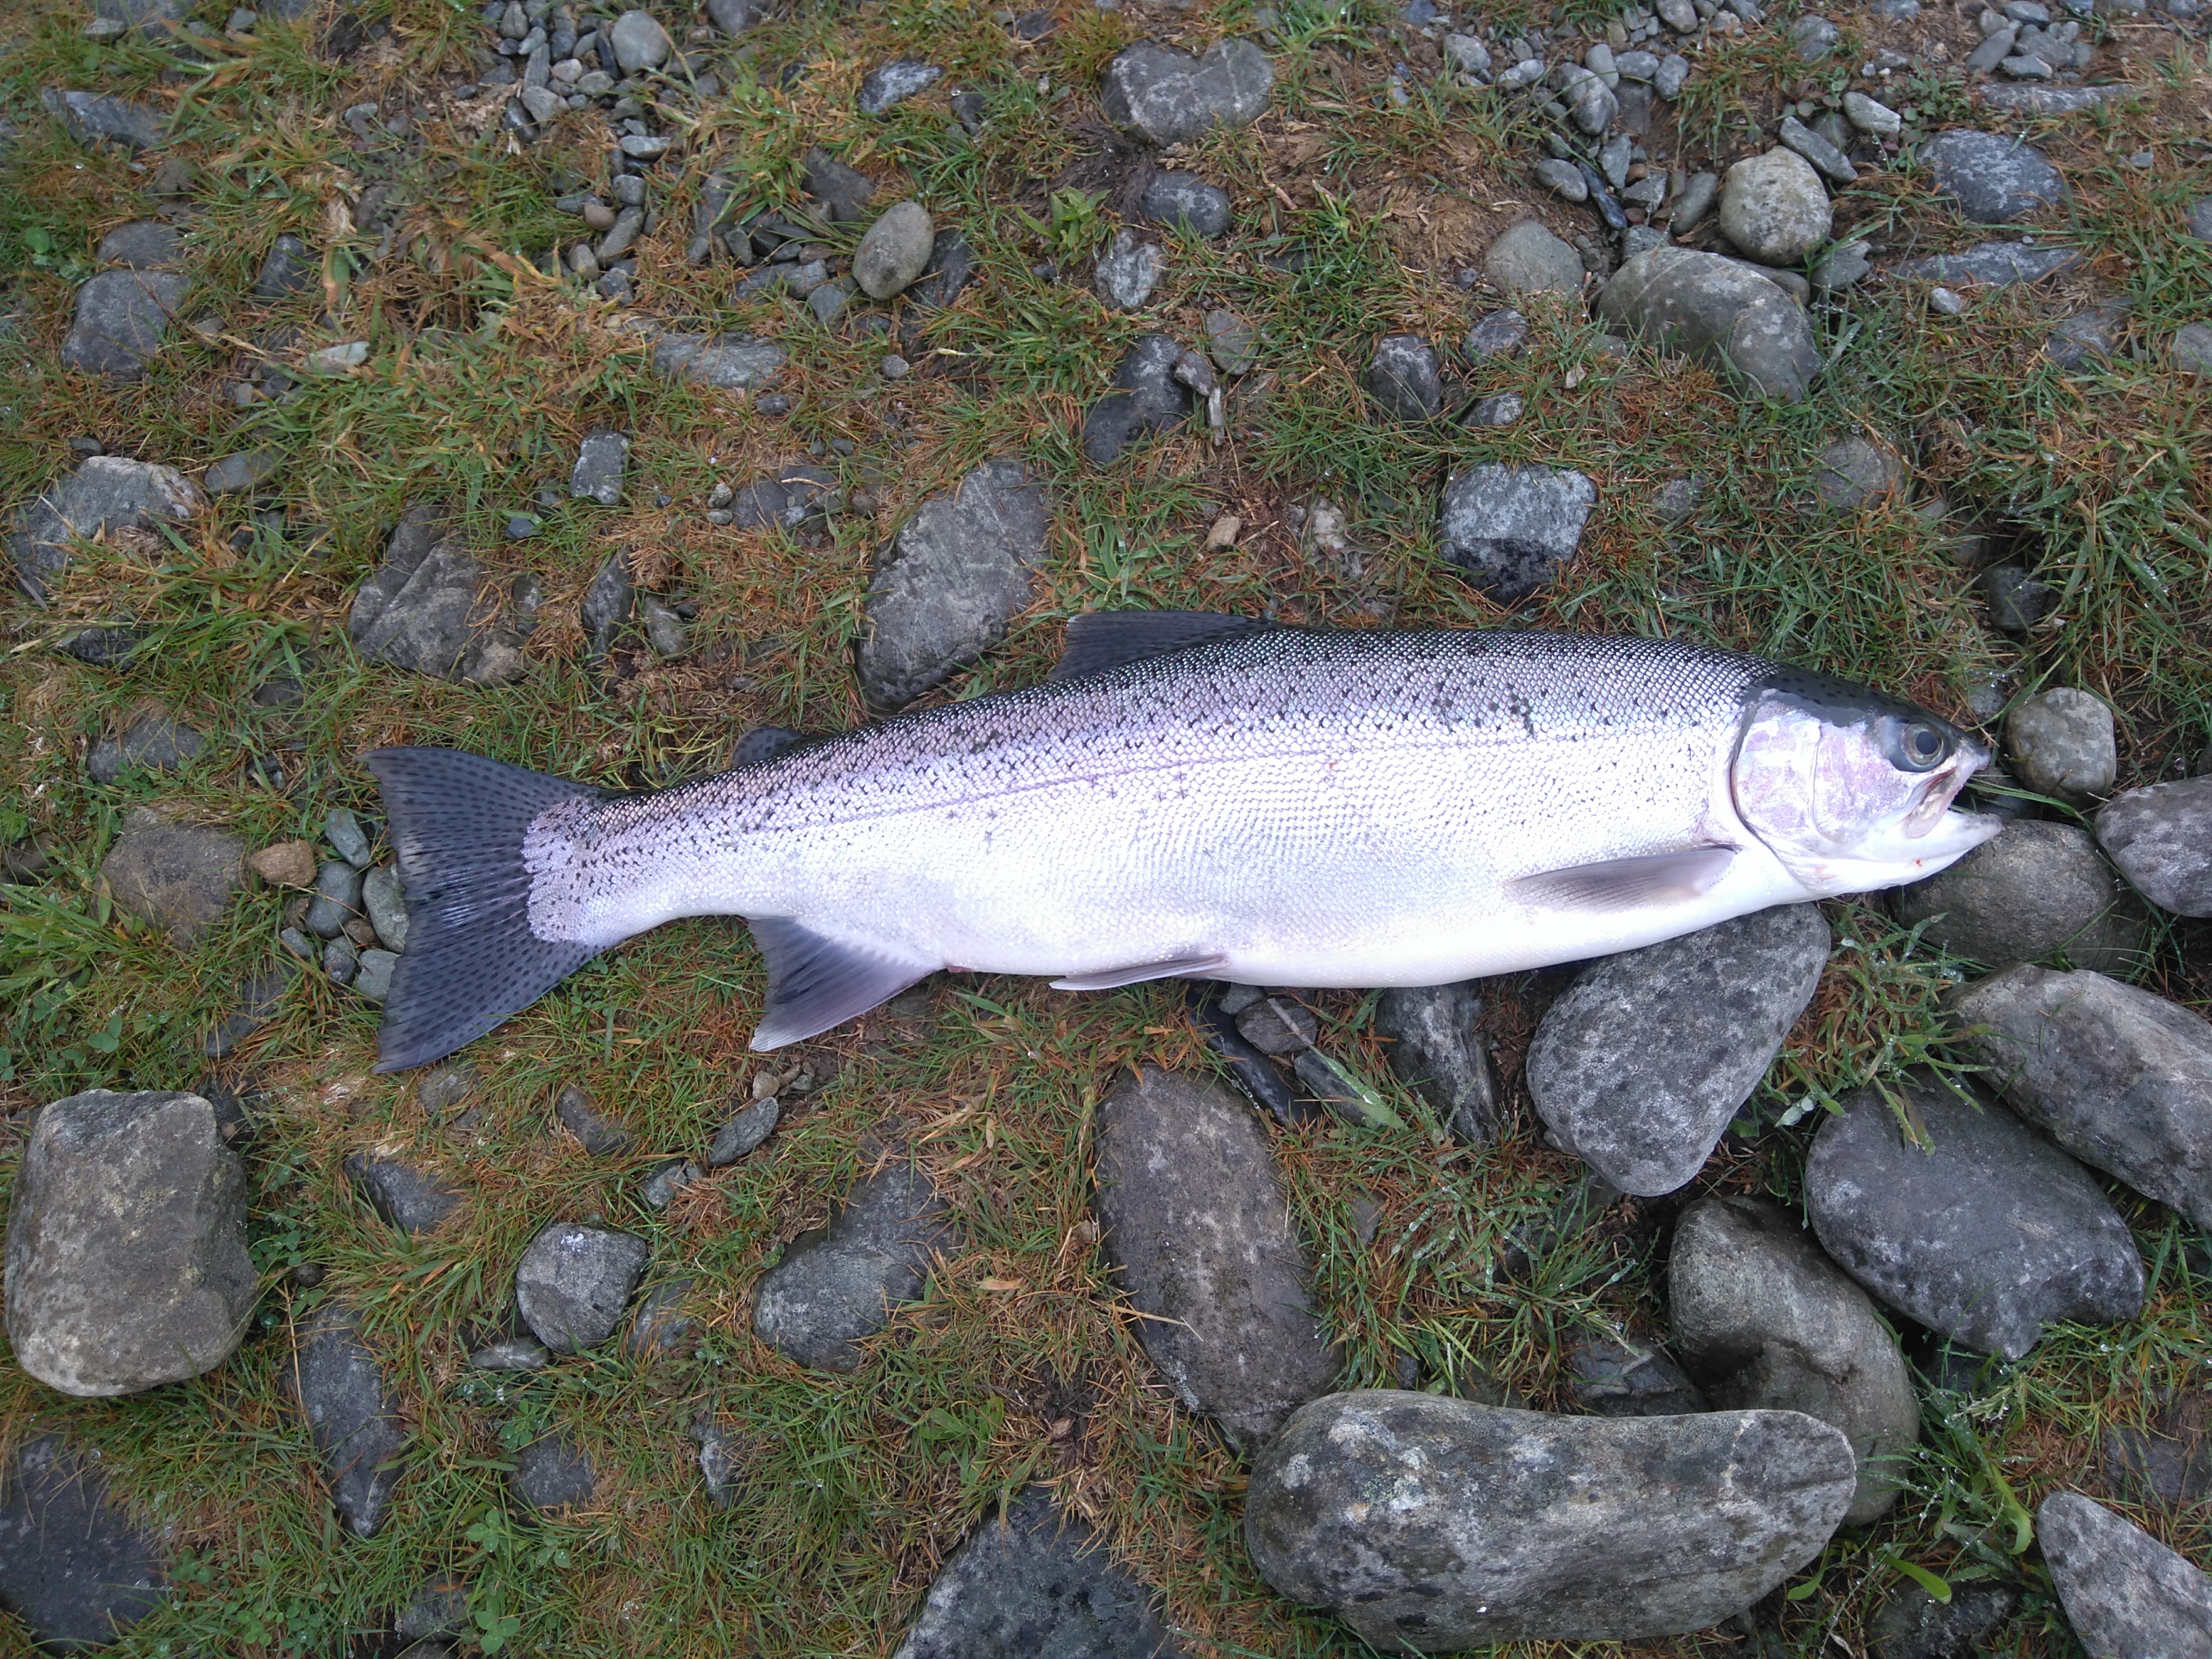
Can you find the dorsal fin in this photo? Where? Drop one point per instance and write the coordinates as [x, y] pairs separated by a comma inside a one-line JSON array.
[[1100, 640]]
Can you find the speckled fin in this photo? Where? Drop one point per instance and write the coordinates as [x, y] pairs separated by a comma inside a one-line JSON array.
[[814, 983], [1625, 884], [1100, 640], [1110, 978]]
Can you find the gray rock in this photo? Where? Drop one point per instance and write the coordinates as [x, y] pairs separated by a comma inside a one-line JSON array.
[[338, 899], [73, 1568], [639, 43], [422, 609], [350, 1412], [601, 1138], [665, 1180], [1429, 1524], [91, 116], [1678, 498], [951, 578], [1401, 377], [1180, 199], [2199, 219], [1591, 103], [726, 362], [951, 267], [2190, 349], [1695, 202], [1467, 59], [1437, 1052], [574, 1282], [1510, 530], [1716, 311], [106, 493], [735, 16], [837, 1286], [1035, 1583], [1502, 334], [1609, 1377], [2118, 1076], [1500, 409], [126, 1263], [1171, 98], [1857, 471], [151, 743], [1128, 272], [2126, 1595], [2061, 744], [1196, 1227], [383, 898], [895, 83], [2037, 892], [2161, 839], [290, 267], [514, 1353], [1994, 180], [1774, 208], [1232, 343], [660, 1327], [1765, 1322], [1646, 1114], [894, 251], [2047, 100], [2090, 334], [1913, 1625], [1813, 38], [142, 245], [403, 1195], [1825, 158], [843, 192], [744, 1133], [552, 1474], [1986, 1235], [1528, 259], [602, 457], [122, 318], [256, 999], [1147, 398], [1996, 265], [249, 468], [1877, 119], [445, 1087], [440, 1607], [179, 877], [1563, 179], [373, 980], [1840, 268]]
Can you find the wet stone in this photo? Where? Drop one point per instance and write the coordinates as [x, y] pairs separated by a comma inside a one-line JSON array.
[[291, 267], [1438, 1052], [153, 742], [73, 1568], [743, 1133], [837, 1287], [575, 1281], [2161, 839], [1913, 1625], [383, 898], [1504, 1525], [422, 609], [726, 362], [552, 1474], [894, 251], [2125, 1594], [1994, 178], [1728, 318], [1179, 200], [1402, 377], [1169, 97], [122, 320], [1528, 259], [1196, 1228], [179, 877], [351, 1415], [403, 1195], [126, 1263], [1985, 1237], [1610, 1378], [601, 1136], [895, 83], [2039, 891], [1995, 264], [1510, 530]]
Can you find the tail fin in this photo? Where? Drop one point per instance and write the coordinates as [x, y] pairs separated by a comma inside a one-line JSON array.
[[458, 821]]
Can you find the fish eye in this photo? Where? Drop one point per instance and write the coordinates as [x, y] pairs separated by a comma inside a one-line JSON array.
[[1919, 746]]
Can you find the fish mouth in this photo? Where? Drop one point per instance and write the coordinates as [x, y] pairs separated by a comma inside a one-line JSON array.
[[1933, 799]]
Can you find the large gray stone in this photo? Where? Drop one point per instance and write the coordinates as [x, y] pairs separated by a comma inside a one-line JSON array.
[[1985, 1234], [2161, 839], [1197, 1228], [93, 116], [350, 1412], [1764, 1321], [896, 250], [952, 577], [1182, 200], [1994, 178], [2061, 742], [1437, 1052], [122, 318], [837, 1286], [1774, 207], [1035, 1583], [1638, 1068], [1528, 259], [179, 877], [126, 1244], [1733, 320], [552, 1474], [1429, 1524], [726, 362], [153, 742], [574, 1282], [73, 1568], [2119, 1077], [2126, 1595], [426, 608], [2038, 890], [1511, 530], [1147, 398], [1402, 377], [107, 493], [1171, 98]]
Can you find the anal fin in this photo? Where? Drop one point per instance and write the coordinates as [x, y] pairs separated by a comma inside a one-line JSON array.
[[814, 983], [1625, 884], [1110, 978]]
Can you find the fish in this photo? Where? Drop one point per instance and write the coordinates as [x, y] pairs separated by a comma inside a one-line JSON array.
[[1197, 796]]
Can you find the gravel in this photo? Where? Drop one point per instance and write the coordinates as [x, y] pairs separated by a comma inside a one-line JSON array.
[[744, 1133], [726, 362], [422, 610], [1609, 1377], [405, 1196], [153, 742], [1856, 473], [600, 1137], [552, 1474], [1994, 265]]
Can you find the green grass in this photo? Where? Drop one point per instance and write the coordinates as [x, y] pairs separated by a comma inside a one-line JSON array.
[[485, 371]]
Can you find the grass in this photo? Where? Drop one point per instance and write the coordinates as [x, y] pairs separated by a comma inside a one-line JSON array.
[[486, 370]]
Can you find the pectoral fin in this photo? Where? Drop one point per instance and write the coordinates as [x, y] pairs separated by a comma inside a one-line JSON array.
[[814, 983], [1166, 969], [1625, 884]]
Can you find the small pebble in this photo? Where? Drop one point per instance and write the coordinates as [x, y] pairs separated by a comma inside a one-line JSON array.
[[894, 368], [1945, 303]]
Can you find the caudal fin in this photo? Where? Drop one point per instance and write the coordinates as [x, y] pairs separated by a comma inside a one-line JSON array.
[[458, 821]]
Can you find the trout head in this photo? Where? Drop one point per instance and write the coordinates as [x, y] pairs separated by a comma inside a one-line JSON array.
[[1852, 789]]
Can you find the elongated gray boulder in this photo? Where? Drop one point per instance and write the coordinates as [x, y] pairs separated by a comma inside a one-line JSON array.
[[2161, 839], [126, 1244], [1429, 1524], [1763, 1320], [838, 1285], [351, 1413], [1196, 1228], [2118, 1076], [1984, 1233], [1731, 320], [106, 493], [1170, 97], [1639, 1067], [2126, 1595], [726, 362]]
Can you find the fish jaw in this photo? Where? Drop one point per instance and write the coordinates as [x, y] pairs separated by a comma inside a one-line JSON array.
[[1901, 860]]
